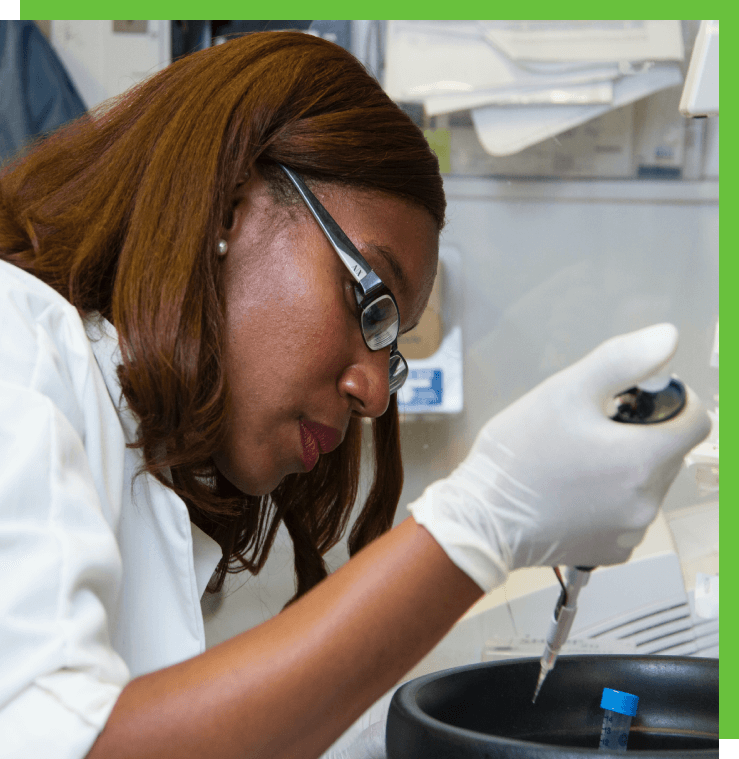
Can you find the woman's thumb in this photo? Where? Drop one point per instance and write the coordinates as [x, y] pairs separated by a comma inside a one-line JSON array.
[[625, 360]]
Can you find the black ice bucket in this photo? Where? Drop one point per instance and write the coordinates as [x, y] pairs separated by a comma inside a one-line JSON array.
[[485, 711]]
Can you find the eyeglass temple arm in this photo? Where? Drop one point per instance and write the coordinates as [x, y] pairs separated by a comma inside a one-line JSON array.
[[352, 258]]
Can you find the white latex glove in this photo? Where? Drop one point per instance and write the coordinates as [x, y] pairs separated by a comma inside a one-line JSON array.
[[552, 480]]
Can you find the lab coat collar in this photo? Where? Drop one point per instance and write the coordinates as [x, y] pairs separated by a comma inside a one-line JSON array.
[[103, 337]]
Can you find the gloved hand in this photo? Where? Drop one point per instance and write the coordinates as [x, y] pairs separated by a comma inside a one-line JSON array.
[[552, 480]]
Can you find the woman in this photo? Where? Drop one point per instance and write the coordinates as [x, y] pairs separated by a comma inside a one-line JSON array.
[[190, 340]]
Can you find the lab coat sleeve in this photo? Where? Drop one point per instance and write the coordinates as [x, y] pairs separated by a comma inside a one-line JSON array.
[[60, 567]]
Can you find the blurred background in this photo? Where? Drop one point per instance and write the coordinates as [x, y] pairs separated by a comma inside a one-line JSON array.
[[582, 203]]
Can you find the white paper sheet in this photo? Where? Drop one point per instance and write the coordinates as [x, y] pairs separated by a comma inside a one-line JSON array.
[[586, 40], [507, 130], [429, 58], [598, 93], [526, 81]]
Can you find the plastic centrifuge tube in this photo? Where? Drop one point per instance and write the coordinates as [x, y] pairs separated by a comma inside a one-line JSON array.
[[619, 708]]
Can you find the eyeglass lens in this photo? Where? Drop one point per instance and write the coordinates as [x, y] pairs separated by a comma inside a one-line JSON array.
[[380, 323], [380, 326], [398, 371]]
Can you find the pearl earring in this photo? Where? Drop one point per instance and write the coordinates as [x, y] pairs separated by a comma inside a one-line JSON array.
[[222, 247]]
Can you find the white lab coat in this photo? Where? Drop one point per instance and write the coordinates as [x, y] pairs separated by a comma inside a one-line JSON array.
[[101, 573]]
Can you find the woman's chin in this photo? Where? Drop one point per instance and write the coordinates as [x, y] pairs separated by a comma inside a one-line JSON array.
[[255, 484]]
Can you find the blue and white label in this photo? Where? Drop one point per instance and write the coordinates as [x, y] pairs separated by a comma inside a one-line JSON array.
[[423, 388], [434, 384]]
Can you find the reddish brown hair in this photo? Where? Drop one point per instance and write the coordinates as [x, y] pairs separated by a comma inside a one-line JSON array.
[[120, 213]]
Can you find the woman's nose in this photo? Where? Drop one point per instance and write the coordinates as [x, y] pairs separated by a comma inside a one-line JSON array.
[[366, 383]]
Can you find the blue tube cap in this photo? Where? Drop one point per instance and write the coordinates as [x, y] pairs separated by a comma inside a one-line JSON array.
[[618, 701]]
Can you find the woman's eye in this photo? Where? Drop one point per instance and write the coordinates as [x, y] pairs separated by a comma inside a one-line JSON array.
[[350, 292]]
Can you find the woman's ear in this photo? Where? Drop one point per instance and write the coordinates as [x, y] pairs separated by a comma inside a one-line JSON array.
[[235, 216]]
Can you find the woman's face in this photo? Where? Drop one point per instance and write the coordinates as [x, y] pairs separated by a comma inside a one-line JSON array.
[[297, 365]]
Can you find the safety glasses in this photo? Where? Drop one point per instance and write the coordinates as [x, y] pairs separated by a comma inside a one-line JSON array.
[[379, 315]]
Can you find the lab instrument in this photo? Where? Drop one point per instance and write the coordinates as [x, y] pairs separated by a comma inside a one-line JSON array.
[[619, 708], [564, 614], [480, 710], [653, 401]]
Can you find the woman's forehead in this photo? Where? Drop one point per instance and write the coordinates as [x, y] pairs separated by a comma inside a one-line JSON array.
[[398, 238]]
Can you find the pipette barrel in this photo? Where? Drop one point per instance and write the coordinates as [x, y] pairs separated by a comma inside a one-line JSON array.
[[561, 624]]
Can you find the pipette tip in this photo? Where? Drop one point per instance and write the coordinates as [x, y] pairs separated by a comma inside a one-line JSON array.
[[540, 682]]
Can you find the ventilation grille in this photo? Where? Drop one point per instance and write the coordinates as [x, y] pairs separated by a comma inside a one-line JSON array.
[[672, 629]]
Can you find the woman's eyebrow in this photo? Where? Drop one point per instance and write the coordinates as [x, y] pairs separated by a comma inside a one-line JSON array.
[[398, 274], [393, 264]]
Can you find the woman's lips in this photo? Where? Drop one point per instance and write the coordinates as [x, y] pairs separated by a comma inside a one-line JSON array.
[[316, 438]]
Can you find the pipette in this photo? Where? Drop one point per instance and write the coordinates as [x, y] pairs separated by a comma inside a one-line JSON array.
[[655, 400], [564, 614]]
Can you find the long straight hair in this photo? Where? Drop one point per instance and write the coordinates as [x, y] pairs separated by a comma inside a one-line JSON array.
[[120, 212]]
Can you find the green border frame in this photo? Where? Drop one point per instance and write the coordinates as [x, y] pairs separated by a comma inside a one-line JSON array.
[[475, 9], [287, 9]]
